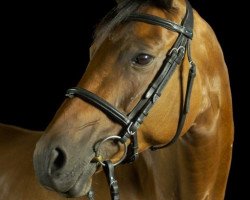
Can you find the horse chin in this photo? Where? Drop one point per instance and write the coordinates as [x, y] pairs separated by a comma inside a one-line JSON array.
[[82, 185], [78, 190]]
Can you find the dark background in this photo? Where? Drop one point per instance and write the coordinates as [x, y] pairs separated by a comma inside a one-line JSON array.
[[44, 51]]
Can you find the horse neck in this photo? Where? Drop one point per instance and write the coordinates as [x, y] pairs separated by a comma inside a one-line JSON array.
[[153, 173]]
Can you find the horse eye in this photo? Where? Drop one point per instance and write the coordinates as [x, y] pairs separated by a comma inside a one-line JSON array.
[[143, 59]]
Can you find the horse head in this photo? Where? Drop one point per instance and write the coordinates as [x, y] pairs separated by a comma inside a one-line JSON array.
[[126, 57]]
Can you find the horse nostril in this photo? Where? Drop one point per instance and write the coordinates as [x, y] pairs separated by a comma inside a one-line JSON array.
[[57, 161], [60, 159]]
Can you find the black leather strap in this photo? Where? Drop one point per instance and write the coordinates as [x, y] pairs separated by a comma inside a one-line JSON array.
[[191, 76], [189, 18], [154, 20], [110, 175], [93, 99]]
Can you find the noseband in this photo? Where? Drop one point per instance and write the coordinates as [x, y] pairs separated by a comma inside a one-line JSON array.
[[132, 121]]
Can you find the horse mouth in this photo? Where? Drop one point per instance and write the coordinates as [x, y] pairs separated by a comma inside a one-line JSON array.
[[83, 184]]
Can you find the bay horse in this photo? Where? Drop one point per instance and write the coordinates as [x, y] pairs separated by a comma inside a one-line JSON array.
[[138, 94]]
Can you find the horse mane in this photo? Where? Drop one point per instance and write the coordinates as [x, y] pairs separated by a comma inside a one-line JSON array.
[[119, 14]]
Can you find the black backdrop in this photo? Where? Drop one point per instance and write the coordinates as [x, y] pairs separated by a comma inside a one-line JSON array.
[[44, 51]]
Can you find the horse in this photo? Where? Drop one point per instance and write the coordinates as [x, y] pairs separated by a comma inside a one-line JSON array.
[[153, 109]]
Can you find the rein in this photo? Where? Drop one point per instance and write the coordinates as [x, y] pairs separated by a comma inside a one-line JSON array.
[[131, 122]]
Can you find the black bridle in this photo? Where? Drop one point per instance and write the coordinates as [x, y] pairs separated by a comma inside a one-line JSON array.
[[134, 119]]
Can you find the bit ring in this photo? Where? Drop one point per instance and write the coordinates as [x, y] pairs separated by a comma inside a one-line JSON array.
[[98, 157]]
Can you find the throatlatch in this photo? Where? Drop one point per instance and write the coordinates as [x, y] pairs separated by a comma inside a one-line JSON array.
[[135, 118]]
